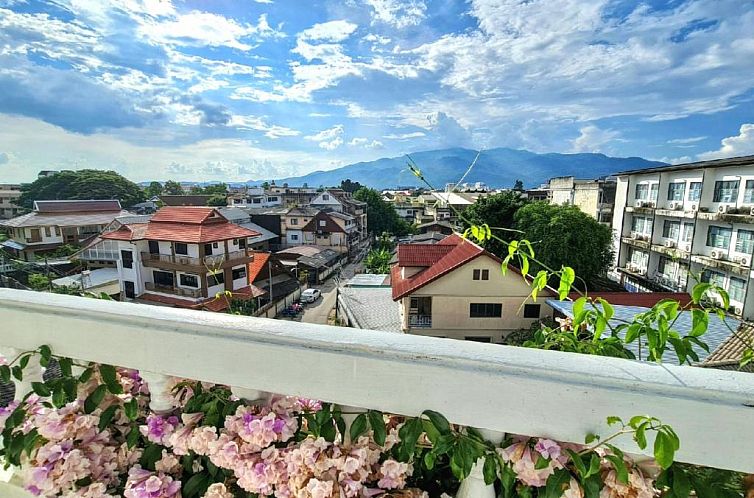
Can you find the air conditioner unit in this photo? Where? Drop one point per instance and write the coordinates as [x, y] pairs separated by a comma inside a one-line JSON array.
[[639, 204], [650, 204], [744, 260], [674, 205], [724, 208], [751, 212], [695, 207], [716, 254], [635, 235], [738, 310], [183, 261], [686, 247], [630, 267], [669, 243]]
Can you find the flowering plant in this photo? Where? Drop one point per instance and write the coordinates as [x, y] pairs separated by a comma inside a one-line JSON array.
[[92, 435]]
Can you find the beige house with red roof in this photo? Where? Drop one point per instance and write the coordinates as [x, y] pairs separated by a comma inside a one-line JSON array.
[[183, 257], [455, 289], [330, 231]]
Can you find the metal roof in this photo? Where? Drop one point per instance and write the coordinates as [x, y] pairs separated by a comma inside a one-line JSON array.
[[717, 332], [369, 280], [716, 163], [371, 308], [63, 219]]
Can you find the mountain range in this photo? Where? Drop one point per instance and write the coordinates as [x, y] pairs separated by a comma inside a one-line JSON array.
[[499, 167]]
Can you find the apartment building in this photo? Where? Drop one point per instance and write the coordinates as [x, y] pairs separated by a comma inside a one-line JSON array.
[[9, 193], [455, 289], [292, 223], [293, 196], [593, 197], [254, 197], [183, 257], [332, 230], [340, 201], [52, 224], [678, 224]]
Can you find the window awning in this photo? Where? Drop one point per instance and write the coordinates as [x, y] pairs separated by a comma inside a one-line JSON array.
[[12, 244]]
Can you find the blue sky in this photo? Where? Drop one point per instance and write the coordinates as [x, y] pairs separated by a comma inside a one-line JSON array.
[[248, 89]]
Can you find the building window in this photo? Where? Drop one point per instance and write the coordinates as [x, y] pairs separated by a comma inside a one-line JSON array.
[[749, 192], [128, 259], [322, 223], [640, 224], [256, 201], [671, 229], [719, 237], [676, 190], [325, 197], [214, 279], [47, 232], [187, 280], [130, 289], [642, 191], [713, 277], [531, 310], [294, 221], [737, 289], [481, 274], [661, 265], [272, 199], [726, 191], [162, 278], [242, 243], [181, 248], [294, 237], [745, 241], [485, 310], [688, 232], [695, 191], [239, 273]]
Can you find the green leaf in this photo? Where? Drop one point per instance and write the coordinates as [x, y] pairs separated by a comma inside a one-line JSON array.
[[196, 485], [110, 378], [640, 435], [438, 421], [45, 353], [612, 420], [70, 386], [93, 400], [577, 462], [377, 423], [429, 460], [664, 450], [490, 469], [607, 308], [65, 365], [578, 305], [409, 434], [567, 277], [620, 468], [5, 373], [152, 453], [358, 427], [590, 438], [106, 417], [133, 437], [131, 409], [86, 375], [699, 322], [30, 440], [40, 389], [17, 372], [594, 465], [556, 484], [697, 293], [24, 361], [58, 396], [542, 463]]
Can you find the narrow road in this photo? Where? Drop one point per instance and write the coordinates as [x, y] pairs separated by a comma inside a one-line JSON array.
[[318, 311]]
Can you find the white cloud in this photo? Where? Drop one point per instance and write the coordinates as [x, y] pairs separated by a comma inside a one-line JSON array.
[[329, 139], [684, 141], [398, 13], [333, 31], [259, 124], [739, 145], [207, 84], [592, 139], [447, 129], [405, 136], [366, 143]]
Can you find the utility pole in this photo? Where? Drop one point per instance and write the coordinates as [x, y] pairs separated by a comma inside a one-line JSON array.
[[269, 274], [2, 270]]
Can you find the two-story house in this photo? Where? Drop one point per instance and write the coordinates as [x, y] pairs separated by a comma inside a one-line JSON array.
[[56, 223], [9, 194], [340, 201], [254, 197], [183, 257], [455, 289], [324, 231], [292, 224]]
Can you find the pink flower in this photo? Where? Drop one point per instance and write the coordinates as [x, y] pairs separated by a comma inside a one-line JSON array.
[[319, 489], [548, 448], [144, 484], [217, 490], [201, 439], [393, 474], [159, 429]]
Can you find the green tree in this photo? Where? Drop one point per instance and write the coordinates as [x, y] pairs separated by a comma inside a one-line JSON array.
[[266, 185], [519, 185], [218, 189], [349, 186], [172, 188], [39, 282], [378, 261], [154, 189], [381, 217], [219, 200], [498, 212], [566, 236], [81, 184]]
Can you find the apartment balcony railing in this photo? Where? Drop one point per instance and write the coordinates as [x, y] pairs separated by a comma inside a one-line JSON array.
[[498, 388], [212, 261], [420, 321], [176, 291]]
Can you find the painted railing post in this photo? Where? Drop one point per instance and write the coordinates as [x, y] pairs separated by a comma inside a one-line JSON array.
[[473, 486], [160, 399]]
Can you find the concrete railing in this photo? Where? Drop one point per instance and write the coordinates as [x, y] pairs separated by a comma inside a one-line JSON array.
[[500, 388]]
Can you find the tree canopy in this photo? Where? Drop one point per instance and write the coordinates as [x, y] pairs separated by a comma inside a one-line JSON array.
[[349, 186], [566, 236], [216, 189], [154, 189], [497, 211], [381, 217], [219, 200], [81, 184]]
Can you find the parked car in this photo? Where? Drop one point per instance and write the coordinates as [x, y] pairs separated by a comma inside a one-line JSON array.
[[310, 295]]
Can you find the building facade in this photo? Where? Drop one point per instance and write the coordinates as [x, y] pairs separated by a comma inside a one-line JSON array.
[[593, 197], [455, 289], [53, 224], [184, 256], [9, 193], [676, 225]]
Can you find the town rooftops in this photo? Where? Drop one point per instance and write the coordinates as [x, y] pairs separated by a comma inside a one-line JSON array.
[[728, 355], [257, 265], [315, 224], [438, 259], [645, 299], [192, 225], [716, 163], [76, 206], [185, 200]]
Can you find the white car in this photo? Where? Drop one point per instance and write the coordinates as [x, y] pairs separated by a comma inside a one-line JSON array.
[[310, 295]]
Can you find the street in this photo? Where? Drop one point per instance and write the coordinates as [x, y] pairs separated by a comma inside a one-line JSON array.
[[319, 311]]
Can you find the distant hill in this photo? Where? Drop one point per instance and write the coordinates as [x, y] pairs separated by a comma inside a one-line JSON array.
[[496, 167]]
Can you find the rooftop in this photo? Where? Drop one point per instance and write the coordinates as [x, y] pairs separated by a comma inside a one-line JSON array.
[[716, 163], [63, 218], [371, 308], [185, 200], [369, 280], [729, 353], [76, 206]]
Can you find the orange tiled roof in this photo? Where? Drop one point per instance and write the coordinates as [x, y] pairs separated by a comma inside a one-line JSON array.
[[256, 266]]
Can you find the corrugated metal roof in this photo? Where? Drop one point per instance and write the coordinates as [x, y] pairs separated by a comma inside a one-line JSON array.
[[371, 308], [730, 352], [77, 206], [63, 219], [717, 331]]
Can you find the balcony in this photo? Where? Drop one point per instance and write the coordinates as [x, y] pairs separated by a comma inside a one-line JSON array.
[[179, 261], [176, 291], [420, 321], [723, 264], [504, 389], [640, 240]]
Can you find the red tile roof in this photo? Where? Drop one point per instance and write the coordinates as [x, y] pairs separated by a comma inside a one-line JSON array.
[[134, 231], [643, 299], [192, 225], [422, 255], [256, 266], [459, 251]]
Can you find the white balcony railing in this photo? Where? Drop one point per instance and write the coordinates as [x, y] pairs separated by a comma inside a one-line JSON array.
[[501, 388]]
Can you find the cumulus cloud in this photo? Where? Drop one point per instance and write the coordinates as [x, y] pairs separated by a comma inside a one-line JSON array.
[[366, 143], [398, 13], [592, 139], [259, 124], [738, 145], [333, 31], [447, 129], [329, 139]]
